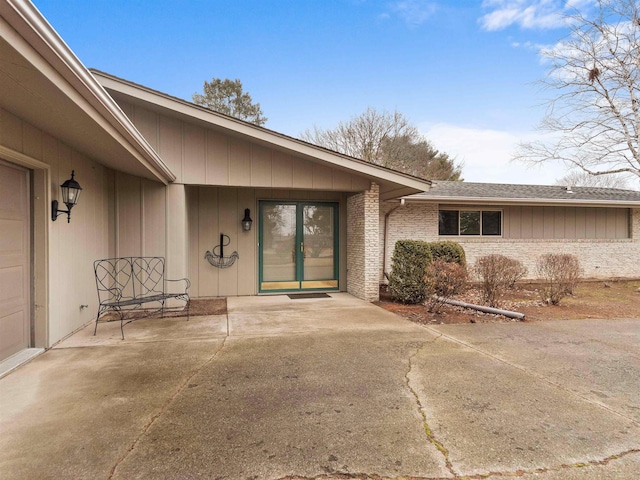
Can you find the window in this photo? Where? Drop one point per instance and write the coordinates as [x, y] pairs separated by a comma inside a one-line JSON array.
[[470, 222]]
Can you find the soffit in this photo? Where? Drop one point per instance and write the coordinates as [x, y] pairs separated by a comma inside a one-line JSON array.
[[38, 93]]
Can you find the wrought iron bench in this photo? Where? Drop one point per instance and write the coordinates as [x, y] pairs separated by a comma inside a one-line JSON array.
[[129, 285]]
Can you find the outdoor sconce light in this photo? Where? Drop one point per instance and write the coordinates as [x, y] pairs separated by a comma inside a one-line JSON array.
[[70, 193], [246, 221]]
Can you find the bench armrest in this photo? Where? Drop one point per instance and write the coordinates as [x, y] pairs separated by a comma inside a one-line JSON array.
[[115, 293], [185, 280]]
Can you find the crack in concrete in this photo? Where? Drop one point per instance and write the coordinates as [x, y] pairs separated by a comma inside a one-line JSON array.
[[164, 409], [556, 468], [477, 476], [534, 374], [432, 438]]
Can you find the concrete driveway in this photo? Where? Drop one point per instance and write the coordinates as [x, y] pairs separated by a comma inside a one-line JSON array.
[[327, 388]]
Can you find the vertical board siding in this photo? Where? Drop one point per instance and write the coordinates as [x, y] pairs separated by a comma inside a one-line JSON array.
[[302, 174], [146, 122], [215, 210], [282, 170], [11, 131], [194, 164], [247, 263], [193, 220], [261, 166], [198, 155], [239, 162], [581, 222], [564, 222], [208, 237], [217, 161], [129, 215], [154, 219], [63, 252], [229, 222], [170, 144], [548, 223]]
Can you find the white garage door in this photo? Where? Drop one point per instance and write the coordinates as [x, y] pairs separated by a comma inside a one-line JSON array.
[[15, 316]]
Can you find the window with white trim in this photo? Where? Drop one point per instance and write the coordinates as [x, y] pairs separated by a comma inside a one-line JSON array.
[[470, 222]]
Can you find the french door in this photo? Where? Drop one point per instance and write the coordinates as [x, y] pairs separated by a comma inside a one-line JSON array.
[[298, 246]]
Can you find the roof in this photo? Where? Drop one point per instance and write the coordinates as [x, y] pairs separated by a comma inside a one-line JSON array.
[[392, 183], [43, 83], [495, 193]]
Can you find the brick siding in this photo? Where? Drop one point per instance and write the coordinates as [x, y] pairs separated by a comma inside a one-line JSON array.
[[600, 258], [363, 260]]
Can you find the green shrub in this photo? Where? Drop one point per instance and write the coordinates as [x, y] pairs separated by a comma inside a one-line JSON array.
[[448, 251], [409, 262]]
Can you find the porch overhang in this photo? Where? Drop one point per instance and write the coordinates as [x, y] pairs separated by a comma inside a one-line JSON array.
[[43, 83], [392, 184]]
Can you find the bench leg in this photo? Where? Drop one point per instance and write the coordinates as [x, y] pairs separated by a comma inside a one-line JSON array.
[[96, 327]]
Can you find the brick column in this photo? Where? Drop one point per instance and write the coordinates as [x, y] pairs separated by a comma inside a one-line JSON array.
[[363, 250]]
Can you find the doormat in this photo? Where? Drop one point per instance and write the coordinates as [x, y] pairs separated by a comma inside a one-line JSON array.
[[298, 296]]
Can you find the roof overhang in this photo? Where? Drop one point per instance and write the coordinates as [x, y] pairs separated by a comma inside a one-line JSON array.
[[529, 202], [393, 184], [45, 84]]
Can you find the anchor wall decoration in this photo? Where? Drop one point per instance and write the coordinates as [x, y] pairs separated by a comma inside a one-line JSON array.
[[216, 256]]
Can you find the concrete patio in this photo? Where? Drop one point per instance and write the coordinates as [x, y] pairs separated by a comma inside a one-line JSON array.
[[327, 388]]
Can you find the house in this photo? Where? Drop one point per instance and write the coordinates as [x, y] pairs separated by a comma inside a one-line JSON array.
[[160, 177], [601, 226], [163, 177]]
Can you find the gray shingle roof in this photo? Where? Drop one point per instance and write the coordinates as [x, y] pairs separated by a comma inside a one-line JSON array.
[[469, 190]]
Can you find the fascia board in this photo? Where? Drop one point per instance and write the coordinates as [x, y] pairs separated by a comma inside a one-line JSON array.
[[35, 39], [258, 133], [533, 202]]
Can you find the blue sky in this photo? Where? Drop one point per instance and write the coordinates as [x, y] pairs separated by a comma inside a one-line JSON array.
[[463, 71]]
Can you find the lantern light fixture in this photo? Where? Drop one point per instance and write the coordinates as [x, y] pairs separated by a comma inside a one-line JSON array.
[[246, 221], [70, 193]]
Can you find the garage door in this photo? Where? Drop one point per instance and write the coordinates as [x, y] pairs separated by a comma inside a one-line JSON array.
[[15, 316]]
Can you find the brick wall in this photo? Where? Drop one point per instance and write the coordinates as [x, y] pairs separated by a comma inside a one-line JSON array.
[[615, 258], [363, 259]]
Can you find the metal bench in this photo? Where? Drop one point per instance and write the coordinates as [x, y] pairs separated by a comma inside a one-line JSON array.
[[131, 285]]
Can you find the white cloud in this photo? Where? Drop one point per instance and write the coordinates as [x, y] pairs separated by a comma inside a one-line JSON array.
[[487, 155], [412, 12], [529, 14]]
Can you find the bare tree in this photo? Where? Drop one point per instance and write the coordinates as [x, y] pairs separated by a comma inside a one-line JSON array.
[[226, 96], [580, 178], [593, 121], [389, 140]]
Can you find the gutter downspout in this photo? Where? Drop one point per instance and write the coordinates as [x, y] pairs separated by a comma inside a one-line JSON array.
[[384, 241]]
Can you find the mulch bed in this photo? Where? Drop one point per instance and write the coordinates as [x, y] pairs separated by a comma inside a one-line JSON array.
[[591, 299], [198, 307]]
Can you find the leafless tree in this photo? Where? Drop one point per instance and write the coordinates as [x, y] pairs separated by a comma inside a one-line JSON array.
[[593, 119], [387, 139], [580, 178]]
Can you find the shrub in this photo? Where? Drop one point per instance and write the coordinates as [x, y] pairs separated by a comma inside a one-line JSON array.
[[408, 266], [514, 270], [560, 273], [497, 273], [448, 251], [444, 280]]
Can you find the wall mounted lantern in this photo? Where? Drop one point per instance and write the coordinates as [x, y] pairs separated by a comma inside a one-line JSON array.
[[246, 221], [70, 193]]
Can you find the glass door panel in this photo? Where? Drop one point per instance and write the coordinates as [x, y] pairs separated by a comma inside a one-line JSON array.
[[279, 247], [298, 246], [318, 245]]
